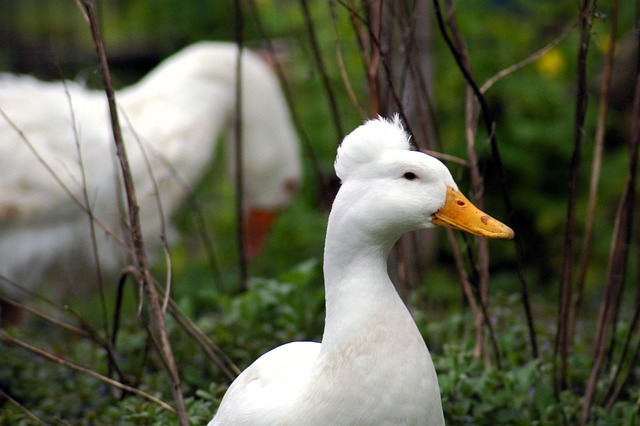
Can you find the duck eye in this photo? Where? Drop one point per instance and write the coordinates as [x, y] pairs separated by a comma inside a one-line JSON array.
[[410, 176]]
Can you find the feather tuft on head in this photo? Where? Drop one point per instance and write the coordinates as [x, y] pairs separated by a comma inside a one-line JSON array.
[[368, 142]]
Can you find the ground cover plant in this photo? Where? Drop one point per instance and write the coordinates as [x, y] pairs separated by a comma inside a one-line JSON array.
[[535, 107]]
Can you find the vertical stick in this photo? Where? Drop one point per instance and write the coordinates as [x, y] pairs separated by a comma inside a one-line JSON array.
[[561, 349], [321, 177], [619, 254], [157, 316], [333, 103], [497, 158], [237, 127], [477, 188], [595, 174]]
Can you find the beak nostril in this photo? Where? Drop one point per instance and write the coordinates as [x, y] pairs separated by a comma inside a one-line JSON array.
[[460, 213]]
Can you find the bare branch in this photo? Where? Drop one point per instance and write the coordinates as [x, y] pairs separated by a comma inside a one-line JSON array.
[[341, 66], [157, 322], [333, 104], [322, 178], [530, 59], [21, 407], [21, 306], [85, 196], [497, 158], [561, 349], [618, 259], [59, 181], [16, 342], [595, 175], [237, 127]]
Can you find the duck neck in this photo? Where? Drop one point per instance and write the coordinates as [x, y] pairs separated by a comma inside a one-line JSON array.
[[357, 285]]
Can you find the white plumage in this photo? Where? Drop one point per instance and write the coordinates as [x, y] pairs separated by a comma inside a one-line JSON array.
[[372, 367], [173, 116]]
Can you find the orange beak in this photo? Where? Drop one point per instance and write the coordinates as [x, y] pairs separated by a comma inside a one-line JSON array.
[[459, 213], [257, 223]]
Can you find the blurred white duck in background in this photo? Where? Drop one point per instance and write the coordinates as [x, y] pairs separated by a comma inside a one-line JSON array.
[[372, 367], [176, 114]]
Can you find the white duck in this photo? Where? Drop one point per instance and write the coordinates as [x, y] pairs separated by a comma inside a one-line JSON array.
[[175, 114], [372, 367]]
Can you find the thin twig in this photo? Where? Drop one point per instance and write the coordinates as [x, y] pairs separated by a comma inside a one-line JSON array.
[[341, 66], [619, 379], [159, 206], [446, 157], [154, 183], [363, 43], [128, 271], [497, 158], [333, 104], [6, 338], [59, 181], [463, 277], [373, 53], [36, 313], [419, 73], [322, 178], [561, 347], [482, 264], [375, 56], [618, 258], [92, 227], [585, 255], [530, 59], [225, 364], [168, 280], [238, 145], [85, 330], [157, 319], [195, 209], [483, 307], [21, 407]]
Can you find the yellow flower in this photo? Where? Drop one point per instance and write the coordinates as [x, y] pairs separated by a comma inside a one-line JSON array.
[[604, 44], [551, 63]]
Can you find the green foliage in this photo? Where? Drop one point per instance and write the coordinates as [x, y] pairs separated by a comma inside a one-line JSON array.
[[521, 392], [245, 325], [516, 395], [269, 313], [275, 311]]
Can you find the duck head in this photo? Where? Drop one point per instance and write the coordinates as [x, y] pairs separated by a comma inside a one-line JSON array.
[[402, 190]]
